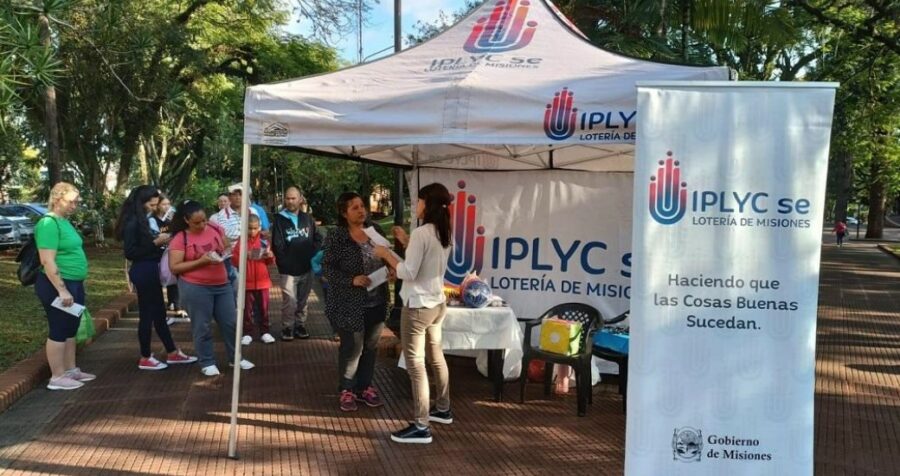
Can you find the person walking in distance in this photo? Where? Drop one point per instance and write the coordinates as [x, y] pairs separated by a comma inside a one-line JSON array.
[[839, 230], [295, 241]]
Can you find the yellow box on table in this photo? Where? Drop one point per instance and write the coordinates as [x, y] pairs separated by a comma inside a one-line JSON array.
[[560, 336]]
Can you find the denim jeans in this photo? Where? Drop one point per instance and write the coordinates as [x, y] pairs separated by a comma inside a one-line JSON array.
[[152, 309], [358, 350], [232, 271], [206, 304]]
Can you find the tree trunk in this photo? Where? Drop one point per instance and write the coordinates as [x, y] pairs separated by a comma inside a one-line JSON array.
[[51, 118], [145, 167], [844, 179], [365, 187], [877, 197], [685, 24]]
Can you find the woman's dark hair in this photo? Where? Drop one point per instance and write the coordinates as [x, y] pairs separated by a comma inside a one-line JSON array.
[[183, 213], [343, 203], [133, 209], [437, 210]]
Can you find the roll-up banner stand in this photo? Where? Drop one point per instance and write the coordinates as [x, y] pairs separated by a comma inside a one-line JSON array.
[[729, 199]]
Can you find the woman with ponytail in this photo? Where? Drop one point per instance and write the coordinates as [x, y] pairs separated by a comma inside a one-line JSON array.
[[422, 272], [144, 245]]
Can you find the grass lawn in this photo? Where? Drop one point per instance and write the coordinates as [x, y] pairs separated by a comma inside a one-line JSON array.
[[23, 327]]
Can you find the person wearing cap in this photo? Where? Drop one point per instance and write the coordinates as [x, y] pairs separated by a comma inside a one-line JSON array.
[[295, 241]]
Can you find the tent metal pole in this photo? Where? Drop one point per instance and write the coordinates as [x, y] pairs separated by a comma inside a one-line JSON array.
[[241, 297], [398, 173]]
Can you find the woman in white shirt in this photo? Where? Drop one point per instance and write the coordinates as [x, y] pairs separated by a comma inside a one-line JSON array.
[[422, 272]]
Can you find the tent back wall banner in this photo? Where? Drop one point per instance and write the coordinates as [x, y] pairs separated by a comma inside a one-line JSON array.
[[728, 216], [499, 90], [541, 238]]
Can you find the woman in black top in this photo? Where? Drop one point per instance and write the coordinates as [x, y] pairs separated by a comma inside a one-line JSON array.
[[357, 314], [144, 251]]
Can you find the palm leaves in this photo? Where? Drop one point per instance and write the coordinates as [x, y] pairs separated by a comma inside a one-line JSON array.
[[25, 63]]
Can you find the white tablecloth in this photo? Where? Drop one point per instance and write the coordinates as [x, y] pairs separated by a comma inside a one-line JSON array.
[[467, 329]]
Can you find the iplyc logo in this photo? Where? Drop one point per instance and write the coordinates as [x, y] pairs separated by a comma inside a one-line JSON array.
[[468, 250], [560, 116], [504, 30], [668, 194]]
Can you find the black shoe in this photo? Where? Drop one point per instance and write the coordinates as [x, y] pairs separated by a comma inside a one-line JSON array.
[[440, 417], [286, 335], [300, 332], [412, 434]]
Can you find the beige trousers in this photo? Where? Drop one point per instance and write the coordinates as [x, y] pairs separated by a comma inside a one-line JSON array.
[[420, 336]]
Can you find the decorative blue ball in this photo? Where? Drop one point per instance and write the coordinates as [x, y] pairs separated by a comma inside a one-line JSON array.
[[476, 294]]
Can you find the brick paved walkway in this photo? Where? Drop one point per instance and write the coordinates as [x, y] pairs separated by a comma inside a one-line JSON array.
[[176, 421]]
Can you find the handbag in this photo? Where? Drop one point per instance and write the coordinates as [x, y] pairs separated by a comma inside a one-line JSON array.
[[166, 276]]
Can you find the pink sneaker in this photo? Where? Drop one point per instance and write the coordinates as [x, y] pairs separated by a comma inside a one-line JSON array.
[[64, 383], [348, 401], [179, 357], [77, 374], [150, 363], [370, 397]]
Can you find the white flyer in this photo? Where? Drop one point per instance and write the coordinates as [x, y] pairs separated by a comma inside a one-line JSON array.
[[380, 241], [75, 309], [378, 277]]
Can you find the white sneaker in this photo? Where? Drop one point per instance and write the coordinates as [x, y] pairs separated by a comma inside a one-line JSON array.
[[246, 340], [245, 364], [170, 321], [267, 338], [210, 371]]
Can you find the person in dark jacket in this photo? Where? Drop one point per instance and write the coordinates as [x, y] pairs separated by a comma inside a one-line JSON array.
[[295, 241], [356, 313], [144, 251]]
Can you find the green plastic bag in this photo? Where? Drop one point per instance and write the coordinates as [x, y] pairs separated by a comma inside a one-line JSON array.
[[86, 329]]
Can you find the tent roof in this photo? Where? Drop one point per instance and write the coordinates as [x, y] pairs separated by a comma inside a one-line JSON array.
[[513, 86]]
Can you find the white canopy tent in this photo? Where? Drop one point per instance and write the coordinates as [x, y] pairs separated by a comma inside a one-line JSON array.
[[513, 86]]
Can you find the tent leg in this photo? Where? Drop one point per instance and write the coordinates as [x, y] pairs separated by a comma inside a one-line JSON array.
[[241, 297]]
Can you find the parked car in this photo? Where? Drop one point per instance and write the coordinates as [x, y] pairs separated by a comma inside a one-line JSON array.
[[852, 221], [23, 225], [32, 211], [9, 233]]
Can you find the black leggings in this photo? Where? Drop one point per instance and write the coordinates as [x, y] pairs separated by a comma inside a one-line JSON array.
[[152, 309], [62, 325]]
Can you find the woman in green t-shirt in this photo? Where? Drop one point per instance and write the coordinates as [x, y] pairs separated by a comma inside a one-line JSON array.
[[64, 269]]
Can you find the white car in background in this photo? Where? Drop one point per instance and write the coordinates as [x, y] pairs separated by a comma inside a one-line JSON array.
[[23, 225], [9, 233]]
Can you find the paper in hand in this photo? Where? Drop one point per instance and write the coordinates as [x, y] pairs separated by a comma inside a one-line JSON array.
[[376, 238], [378, 277], [75, 309], [218, 258], [380, 241]]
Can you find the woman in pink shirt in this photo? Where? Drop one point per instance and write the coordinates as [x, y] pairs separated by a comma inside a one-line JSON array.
[[197, 251]]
